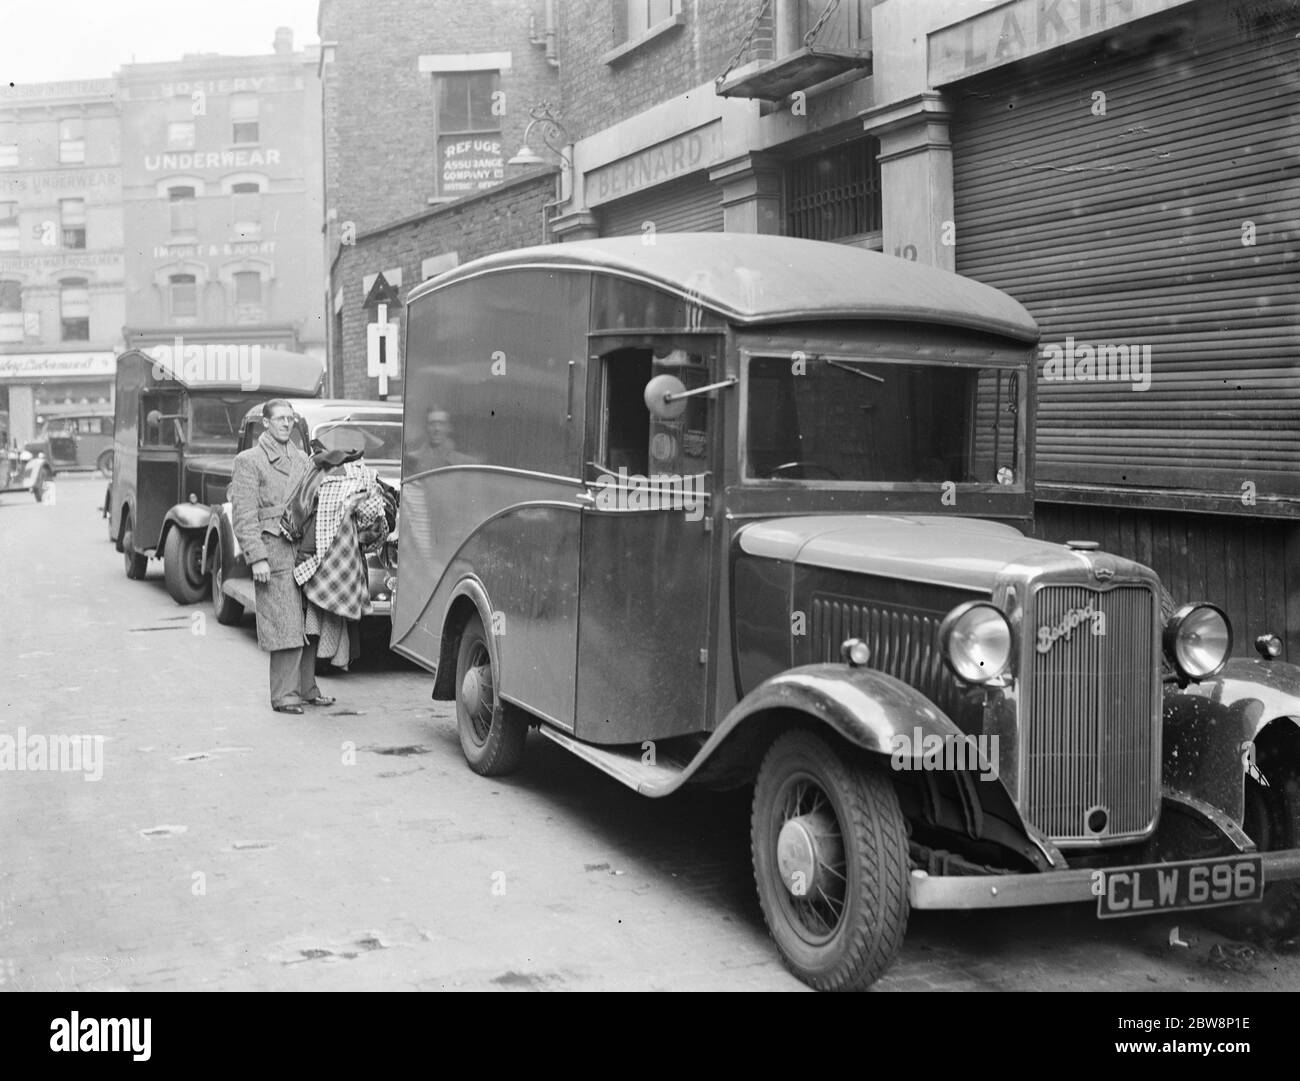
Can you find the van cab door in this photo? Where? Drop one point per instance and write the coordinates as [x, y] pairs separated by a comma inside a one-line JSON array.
[[158, 465], [646, 563]]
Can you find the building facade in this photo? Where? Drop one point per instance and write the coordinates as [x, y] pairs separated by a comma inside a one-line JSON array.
[[423, 106], [1125, 168], [221, 174], [62, 277]]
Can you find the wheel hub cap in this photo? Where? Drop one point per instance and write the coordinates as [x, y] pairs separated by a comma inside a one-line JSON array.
[[471, 690], [805, 846]]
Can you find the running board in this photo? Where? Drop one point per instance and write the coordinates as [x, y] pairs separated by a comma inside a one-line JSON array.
[[241, 590], [625, 763]]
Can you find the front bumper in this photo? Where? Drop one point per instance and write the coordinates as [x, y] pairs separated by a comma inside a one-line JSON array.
[[1047, 888]]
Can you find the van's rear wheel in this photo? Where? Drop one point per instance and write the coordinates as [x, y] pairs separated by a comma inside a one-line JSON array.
[[183, 566], [830, 861], [228, 610], [136, 563], [492, 732]]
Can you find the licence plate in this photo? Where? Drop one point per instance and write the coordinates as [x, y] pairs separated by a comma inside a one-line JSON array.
[[1166, 887]]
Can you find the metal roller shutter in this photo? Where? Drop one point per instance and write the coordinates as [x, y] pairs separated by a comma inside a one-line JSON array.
[[1127, 229], [692, 205]]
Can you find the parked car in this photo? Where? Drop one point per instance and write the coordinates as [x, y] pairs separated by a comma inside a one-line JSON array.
[[177, 432], [77, 441], [750, 510], [373, 427], [22, 470]]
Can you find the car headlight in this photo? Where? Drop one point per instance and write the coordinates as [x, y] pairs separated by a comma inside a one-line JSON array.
[[975, 639], [25, 456], [1198, 640]]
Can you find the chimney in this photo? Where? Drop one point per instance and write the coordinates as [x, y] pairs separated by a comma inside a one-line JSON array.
[[283, 41]]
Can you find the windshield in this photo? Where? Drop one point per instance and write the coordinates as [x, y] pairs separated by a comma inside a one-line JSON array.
[[379, 440], [215, 420], [853, 419]]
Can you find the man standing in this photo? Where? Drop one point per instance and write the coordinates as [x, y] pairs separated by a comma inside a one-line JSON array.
[[264, 476]]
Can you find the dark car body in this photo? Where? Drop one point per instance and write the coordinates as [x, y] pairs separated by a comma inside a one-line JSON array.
[[77, 441], [22, 470], [177, 431], [734, 509], [380, 426]]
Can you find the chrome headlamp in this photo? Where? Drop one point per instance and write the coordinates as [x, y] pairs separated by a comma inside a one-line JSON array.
[[975, 639], [1198, 641]]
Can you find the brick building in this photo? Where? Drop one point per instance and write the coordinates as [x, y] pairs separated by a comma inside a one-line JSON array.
[[222, 199], [62, 291], [423, 105], [1122, 167]]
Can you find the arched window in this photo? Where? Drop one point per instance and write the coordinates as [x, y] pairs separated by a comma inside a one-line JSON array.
[[183, 294], [246, 209], [74, 309], [248, 296], [184, 218]]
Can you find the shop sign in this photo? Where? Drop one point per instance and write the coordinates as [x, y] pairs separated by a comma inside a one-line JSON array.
[[210, 159], [1026, 27], [673, 158], [471, 164], [30, 367]]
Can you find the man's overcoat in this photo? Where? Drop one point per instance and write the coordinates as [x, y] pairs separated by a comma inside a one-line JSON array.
[[265, 475]]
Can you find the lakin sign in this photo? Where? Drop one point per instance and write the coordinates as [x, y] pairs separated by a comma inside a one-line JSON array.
[[669, 160], [1013, 31]]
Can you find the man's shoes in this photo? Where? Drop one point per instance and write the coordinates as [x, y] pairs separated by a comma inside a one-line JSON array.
[[319, 700], [288, 707]]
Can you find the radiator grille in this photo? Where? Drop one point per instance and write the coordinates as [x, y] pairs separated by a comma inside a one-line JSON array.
[[1089, 736], [903, 644]]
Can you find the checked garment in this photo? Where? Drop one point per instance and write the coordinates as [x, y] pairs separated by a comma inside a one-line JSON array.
[[334, 577]]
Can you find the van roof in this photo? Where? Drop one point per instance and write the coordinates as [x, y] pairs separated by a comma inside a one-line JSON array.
[[751, 279], [279, 372]]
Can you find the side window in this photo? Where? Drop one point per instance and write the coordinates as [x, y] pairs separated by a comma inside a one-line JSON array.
[[161, 433], [644, 445]]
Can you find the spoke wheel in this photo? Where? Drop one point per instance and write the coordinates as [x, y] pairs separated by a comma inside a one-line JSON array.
[[1272, 821], [183, 566], [830, 862], [136, 563], [492, 732], [228, 610]]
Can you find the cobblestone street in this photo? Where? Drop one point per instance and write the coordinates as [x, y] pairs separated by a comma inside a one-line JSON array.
[[230, 847]]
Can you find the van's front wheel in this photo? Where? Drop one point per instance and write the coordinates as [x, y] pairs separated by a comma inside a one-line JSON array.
[[830, 862], [492, 732]]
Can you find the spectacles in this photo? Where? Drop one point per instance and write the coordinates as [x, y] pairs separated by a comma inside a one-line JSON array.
[[282, 420]]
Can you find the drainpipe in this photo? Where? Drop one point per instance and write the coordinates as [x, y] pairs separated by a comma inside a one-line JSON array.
[[552, 57]]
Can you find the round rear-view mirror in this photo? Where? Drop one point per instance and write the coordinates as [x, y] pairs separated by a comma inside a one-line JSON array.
[[657, 394], [153, 417]]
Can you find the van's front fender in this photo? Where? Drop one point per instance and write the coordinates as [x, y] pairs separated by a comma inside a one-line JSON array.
[[868, 708], [188, 516]]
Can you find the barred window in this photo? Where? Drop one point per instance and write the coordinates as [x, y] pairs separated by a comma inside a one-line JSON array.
[[835, 194]]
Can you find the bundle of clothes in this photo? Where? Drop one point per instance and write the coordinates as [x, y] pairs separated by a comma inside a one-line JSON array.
[[338, 512]]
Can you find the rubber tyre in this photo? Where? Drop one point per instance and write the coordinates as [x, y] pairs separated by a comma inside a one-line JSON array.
[[227, 610], [850, 951], [183, 567], [136, 562], [105, 463], [492, 732], [43, 479], [1272, 820]]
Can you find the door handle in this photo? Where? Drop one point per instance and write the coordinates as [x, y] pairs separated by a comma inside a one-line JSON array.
[[587, 499]]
